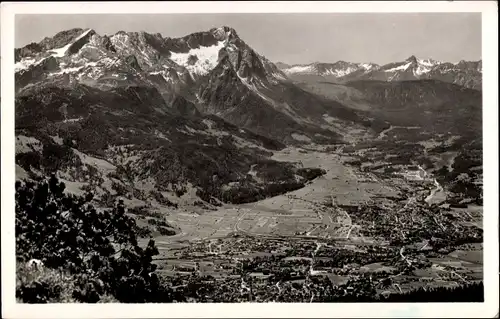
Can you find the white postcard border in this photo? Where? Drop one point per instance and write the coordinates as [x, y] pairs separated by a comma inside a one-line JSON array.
[[487, 309]]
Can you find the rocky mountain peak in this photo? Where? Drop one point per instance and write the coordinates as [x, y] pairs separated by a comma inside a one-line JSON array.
[[140, 58], [412, 59], [224, 33]]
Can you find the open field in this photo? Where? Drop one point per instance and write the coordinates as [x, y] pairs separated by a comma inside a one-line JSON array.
[[313, 227], [308, 211]]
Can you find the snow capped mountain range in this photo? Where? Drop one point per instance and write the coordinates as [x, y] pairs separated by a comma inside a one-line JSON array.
[[337, 69], [413, 64], [174, 64], [215, 72], [463, 73], [83, 56]]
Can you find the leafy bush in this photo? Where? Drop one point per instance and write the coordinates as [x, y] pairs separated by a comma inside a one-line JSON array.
[[157, 222], [310, 173], [164, 231], [120, 189], [98, 249], [56, 157], [44, 285], [161, 199], [143, 232], [29, 160]]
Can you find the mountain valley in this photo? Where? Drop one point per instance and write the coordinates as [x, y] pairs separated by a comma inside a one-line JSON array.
[[246, 171]]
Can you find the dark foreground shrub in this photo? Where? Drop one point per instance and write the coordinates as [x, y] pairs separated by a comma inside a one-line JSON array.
[[470, 292], [98, 250]]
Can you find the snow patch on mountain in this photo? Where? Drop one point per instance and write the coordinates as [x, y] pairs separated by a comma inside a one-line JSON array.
[[26, 63], [120, 41], [93, 70], [73, 120], [402, 67], [338, 69], [424, 66], [60, 52], [199, 61], [231, 47], [422, 69], [166, 76], [29, 62], [109, 62], [366, 66], [340, 72], [300, 69], [428, 62]]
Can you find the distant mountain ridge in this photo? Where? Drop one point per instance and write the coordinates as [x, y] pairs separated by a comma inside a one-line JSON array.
[[338, 69], [465, 73]]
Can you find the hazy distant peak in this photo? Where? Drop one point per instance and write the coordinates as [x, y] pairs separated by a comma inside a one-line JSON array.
[[466, 73], [412, 59]]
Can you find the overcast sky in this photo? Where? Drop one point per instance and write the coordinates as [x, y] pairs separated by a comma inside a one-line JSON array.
[[297, 38]]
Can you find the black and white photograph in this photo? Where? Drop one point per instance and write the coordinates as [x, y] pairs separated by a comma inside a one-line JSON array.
[[249, 157]]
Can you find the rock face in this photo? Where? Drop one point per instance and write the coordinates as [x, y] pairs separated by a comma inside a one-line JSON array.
[[464, 73], [215, 71]]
